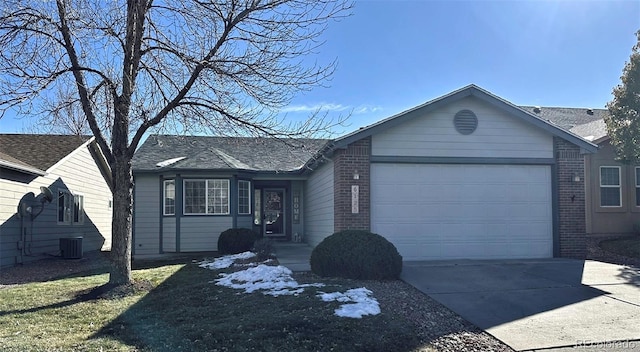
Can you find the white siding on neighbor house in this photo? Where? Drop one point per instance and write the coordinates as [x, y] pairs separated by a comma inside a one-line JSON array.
[[200, 233], [434, 135], [77, 173], [146, 211], [318, 205], [169, 234]]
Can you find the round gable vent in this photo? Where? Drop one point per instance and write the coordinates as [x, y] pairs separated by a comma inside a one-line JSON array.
[[465, 122]]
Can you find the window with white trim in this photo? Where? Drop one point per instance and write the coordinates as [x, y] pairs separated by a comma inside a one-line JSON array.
[[244, 197], [169, 204], [209, 196], [70, 208], [637, 186], [610, 186]]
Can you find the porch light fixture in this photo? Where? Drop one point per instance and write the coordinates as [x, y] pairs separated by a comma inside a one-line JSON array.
[[576, 178], [356, 175]]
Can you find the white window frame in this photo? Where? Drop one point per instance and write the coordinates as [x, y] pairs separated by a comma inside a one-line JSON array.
[[248, 197], [206, 196], [618, 186], [72, 215], [164, 197], [637, 169]]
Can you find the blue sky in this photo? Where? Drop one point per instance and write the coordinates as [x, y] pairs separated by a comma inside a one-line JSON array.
[[394, 55]]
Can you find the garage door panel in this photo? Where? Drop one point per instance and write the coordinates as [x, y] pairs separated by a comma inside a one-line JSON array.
[[463, 211]]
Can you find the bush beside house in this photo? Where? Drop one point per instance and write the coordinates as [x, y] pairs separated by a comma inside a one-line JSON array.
[[234, 241], [356, 254]]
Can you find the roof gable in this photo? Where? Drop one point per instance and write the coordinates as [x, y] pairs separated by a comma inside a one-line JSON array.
[[477, 92], [36, 153]]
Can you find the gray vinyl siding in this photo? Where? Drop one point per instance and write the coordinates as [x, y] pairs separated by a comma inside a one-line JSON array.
[[318, 205], [200, 233], [498, 135], [146, 205], [245, 222], [168, 234], [76, 173]]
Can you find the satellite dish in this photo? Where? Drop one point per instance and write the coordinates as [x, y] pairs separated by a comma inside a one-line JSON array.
[[25, 205], [46, 194]]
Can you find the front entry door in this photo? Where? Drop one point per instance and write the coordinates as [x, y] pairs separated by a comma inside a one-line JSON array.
[[274, 212]]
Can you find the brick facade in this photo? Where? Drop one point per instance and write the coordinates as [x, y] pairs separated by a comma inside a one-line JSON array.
[[353, 160], [571, 199]]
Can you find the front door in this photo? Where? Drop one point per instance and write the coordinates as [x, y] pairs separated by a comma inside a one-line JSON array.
[[274, 212]]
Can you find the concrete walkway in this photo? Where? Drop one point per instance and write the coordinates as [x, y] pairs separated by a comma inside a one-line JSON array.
[[294, 256], [557, 304]]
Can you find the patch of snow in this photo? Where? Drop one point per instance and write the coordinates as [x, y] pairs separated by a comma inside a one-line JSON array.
[[272, 280], [277, 281], [170, 161], [252, 264], [363, 304], [225, 261]]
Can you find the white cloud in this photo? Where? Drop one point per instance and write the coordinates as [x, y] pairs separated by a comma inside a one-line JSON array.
[[316, 107], [364, 109], [360, 109]]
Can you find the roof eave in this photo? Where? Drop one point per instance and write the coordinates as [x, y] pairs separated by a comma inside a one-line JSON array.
[[254, 171], [21, 168]]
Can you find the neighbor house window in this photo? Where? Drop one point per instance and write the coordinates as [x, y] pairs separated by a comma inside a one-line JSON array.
[[637, 186], [244, 197], [169, 197], [610, 190], [206, 196], [70, 208]]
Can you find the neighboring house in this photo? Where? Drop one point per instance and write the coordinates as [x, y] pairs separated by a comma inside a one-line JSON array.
[[74, 170], [467, 175], [613, 188]]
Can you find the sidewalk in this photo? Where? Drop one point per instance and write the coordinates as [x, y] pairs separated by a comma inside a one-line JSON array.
[[294, 256]]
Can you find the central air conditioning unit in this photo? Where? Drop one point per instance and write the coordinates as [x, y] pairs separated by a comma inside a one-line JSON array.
[[71, 247]]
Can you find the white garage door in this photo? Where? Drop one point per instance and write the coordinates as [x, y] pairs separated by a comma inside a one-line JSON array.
[[463, 211]]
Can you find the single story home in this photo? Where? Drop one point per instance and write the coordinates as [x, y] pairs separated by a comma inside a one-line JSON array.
[[612, 188], [52, 187], [467, 175]]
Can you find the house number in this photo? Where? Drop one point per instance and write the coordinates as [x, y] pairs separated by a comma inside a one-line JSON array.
[[355, 199]]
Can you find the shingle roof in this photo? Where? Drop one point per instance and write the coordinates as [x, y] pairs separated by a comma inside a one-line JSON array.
[[582, 121], [37, 151], [591, 131], [224, 153]]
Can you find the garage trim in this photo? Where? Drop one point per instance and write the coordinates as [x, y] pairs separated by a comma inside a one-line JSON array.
[[459, 160], [555, 217], [551, 218]]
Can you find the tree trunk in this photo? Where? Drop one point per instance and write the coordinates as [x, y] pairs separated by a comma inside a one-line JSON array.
[[122, 220]]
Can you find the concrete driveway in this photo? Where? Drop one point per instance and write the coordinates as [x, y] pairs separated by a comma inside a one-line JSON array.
[[535, 304]]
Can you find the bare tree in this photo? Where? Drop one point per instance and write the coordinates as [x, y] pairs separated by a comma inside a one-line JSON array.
[[224, 65]]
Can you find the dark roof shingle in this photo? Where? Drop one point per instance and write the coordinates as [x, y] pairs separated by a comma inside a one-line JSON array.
[[225, 153], [40, 151]]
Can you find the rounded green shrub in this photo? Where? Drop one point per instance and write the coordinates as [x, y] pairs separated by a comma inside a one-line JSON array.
[[234, 241], [356, 254]]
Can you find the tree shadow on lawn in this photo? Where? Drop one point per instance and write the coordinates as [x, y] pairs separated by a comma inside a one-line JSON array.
[[188, 312]]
